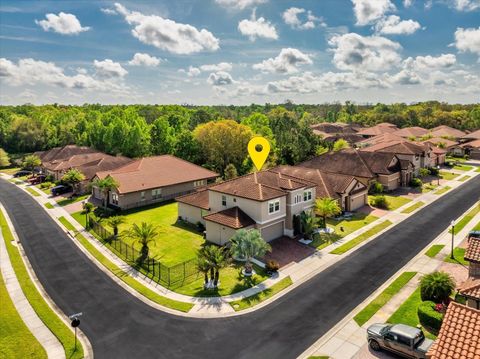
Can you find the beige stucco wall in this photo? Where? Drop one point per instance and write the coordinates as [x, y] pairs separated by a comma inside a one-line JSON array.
[[191, 214], [390, 182], [218, 234], [293, 208], [415, 161], [272, 231]]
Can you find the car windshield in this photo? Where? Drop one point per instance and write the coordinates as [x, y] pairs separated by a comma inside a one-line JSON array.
[[385, 330], [419, 338]]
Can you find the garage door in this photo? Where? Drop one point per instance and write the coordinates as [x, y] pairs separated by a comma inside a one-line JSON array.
[[272, 232], [357, 201]]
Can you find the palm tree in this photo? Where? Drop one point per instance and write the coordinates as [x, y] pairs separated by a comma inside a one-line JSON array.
[[105, 185], [309, 224], [31, 161], [73, 177], [213, 258], [87, 209], [436, 286], [248, 244], [143, 234], [327, 207], [204, 266], [115, 222]]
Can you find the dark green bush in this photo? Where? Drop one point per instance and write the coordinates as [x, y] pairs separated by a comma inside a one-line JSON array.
[[434, 171], [416, 182], [376, 188], [436, 286], [428, 316], [379, 201]]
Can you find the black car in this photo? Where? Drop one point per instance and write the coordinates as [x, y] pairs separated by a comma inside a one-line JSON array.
[[60, 189], [22, 173]]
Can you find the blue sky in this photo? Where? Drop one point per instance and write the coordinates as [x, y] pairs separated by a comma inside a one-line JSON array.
[[239, 51]]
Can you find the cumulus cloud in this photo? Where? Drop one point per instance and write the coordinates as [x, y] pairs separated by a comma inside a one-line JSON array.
[[291, 17], [141, 59], [392, 25], [108, 11], [366, 53], [239, 4], [407, 3], [220, 78], [406, 77], [167, 34], [65, 24], [468, 40], [465, 5], [222, 66], [286, 62], [109, 69], [191, 71], [260, 27], [429, 62], [368, 11]]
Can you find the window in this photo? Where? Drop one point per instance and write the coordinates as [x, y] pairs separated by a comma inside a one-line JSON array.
[[224, 201], [156, 193], [142, 195], [297, 199], [199, 183], [273, 206], [307, 196], [402, 340], [115, 198]]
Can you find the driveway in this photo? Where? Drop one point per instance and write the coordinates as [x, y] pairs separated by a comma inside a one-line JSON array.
[[287, 250], [121, 326]]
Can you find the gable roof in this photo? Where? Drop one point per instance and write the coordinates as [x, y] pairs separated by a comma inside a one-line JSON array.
[[334, 127], [105, 163], [472, 254], [472, 136], [381, 162], [438, 140], [459, 336], [471, 144], [62, 153], [414, 131], [379, 129], [155, 172], [444, 130], [232, 217], [398, 147], [196, 199], [471, 288], [384, 137]]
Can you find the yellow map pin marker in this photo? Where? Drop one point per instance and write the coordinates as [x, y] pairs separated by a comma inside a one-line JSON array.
[[258, 149]]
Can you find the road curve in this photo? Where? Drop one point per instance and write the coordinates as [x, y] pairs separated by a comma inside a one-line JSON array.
[[119, 325]]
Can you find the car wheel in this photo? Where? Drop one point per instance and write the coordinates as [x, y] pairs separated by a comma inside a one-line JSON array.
[[374, 345]]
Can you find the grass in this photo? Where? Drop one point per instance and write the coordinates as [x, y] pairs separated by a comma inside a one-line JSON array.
[[465, 220], [342, 228], [427, 187], [49, 205], [45, 313], [32, 192], [448, 175], [413, 207], [458, 254], [366, 313], [46, 190], [455, 159], [443, 190], [253, 300], [16, 340], [394, 202], [10, 171], [122, 275], [478, 169], [434, 250], [462, 167], [464, 178], [477, 227], [66, 201], [361, 238], [407, 313]]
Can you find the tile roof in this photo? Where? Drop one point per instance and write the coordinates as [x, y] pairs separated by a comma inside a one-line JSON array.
[[335, 127], [105, 163], [73, 161], [459, 336], [472, 254], [381, 128], [380, 162], [471, 144], [472, 135], [414, 131], [471, 288], [398, 147], [444, 130], [232, 217], [155, 172], [438, 140], [65, 152], [196, 199], [384, 137]]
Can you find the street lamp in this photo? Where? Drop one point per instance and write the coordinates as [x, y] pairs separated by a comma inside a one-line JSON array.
[[453, 237], [438, 175]]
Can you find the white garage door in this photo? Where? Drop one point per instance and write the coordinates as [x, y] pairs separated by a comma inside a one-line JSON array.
[[272, 232], [357, 201]]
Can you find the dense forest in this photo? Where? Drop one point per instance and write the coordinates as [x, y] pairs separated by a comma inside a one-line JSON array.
[[213, 136]]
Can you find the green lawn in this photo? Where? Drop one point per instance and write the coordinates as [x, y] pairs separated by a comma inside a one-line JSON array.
[[366, 313], [342, 228], [10, 171], [32, 192], [146, 292], [455, 159], [458, 254], [407, 313], [262, 296], [443, 190], [66, 201], [394, 202], [427, 187], [434, 250], [45, 190], [477, 227], [16, 340], [49, 205], [43, 310], [413, 207], [361, 238], [464, 178], [448, 175], [465, 220], [478, 169], [462, 167]]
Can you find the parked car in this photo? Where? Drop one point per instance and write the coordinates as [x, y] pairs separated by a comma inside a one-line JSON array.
[[400, 339], [60, 189], [22, 173], [37, 179]]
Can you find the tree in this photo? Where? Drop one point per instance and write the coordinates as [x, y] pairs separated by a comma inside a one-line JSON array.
[[214, 258], [4, 159], [247, 244], [87, 209], [230, 172], [423, 172], [114, 222], [105, 185], [309, 224], [203, 266], [436, 286], [340, 144], [162, 135], [144, 235], [327, 207], [187, 147], [73, 177], [30, 162]]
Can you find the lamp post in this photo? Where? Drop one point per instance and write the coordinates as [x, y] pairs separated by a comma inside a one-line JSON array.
[[438, 175], [453, 237]]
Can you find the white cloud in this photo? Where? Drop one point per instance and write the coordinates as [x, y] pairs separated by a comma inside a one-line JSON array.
[[191, 71], [109, 69], [427, 63], [167, 34], [465, 5], [368, 11], [392, 25], [108, 11], [260, 27], [239, 4], [140, 59], [286, 62], [291, 18], [65, 24], [468, 40], [222, 66], [407, 3], [365, 53], [406, 77], [220, 78]]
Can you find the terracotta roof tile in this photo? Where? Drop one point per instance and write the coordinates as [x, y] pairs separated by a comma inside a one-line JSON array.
[[196, 199], [414, 131], [398, 147], [444, 130], [381, 128], [472, 135], [381, 162], [65, 152], [472, 254], [232, 217], [471, 144], [438, 140], [471, 288], [384, 137], [459, 336]]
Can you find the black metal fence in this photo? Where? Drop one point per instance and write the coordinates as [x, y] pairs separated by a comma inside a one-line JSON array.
[[173, 276]]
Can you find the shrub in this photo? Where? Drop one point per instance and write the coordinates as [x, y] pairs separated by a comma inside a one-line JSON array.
[[428, 316], [200, 226], [379, 201], [49, 178], [436, 286], [416, 182], [376, 188], [272, 266], [44, 185], [434, 171]]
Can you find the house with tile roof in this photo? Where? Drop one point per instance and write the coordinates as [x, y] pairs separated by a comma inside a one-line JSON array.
[[409, 132], [447, 132], [475, 135], [472, 255], [152, 180], [377, 130], [333, 131], [470, 290]]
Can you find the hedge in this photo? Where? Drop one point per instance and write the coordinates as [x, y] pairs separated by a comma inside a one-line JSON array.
[[428, 316]]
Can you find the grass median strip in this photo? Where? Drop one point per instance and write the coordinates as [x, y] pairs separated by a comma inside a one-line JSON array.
[[49, 205], [45, 313], [443, 190], [253, 300], [33, 192], [458, 254], [465, 220], [464, 178], [413, 207], [448, 175], [434, 250], [122, 275], [361, 238], [463, 167], [369, 311]]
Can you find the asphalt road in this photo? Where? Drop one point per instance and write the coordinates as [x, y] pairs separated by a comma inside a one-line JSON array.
[[120, 326]]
